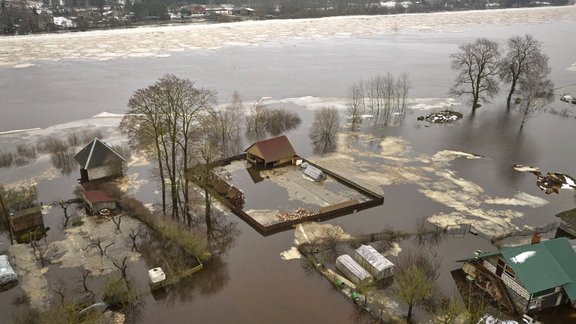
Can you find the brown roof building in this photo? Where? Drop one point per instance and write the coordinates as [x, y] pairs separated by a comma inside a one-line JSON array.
[[270, 152]]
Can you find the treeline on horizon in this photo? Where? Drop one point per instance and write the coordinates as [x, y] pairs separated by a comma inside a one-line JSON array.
[[24, 17]]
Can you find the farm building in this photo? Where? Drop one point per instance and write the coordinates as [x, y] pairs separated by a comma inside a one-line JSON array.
[[567, 225], [374, 262], [26, 220], [99, 161], [270, 152], [353, 270], [98, 202], [528, 277]]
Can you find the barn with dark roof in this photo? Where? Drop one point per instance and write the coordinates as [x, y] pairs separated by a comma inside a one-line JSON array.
[[270, 152], [99, 161]]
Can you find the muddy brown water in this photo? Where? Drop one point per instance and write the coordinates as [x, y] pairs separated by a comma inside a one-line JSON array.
[[250, 283]]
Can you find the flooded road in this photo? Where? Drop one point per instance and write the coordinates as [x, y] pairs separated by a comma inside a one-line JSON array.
[[251, 283]]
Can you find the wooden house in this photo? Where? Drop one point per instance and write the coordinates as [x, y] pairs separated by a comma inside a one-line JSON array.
[[353, 270], [99, 161], [374, 262], [270, 152], [26, 220], [527, 278]]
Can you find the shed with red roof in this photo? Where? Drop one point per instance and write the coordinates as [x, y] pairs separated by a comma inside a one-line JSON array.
[[270, 152]]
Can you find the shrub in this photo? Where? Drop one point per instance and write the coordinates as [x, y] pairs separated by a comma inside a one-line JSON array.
[[6, 159], [26, 151]]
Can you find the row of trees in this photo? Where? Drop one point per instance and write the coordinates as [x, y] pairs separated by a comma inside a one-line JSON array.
[[481, 66], [383, 97]]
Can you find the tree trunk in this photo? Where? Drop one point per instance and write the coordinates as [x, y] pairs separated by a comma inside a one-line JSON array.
[[162, 180], [409, 315], [509, 99], [208, 212]]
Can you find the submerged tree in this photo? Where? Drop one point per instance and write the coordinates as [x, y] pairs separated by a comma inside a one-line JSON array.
[[477, 65], [415, 280], [324, 129], [536, 88], [523, 55], [355, 103], [160, 120]]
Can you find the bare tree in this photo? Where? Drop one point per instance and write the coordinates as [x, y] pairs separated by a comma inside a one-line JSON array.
[[134, 236], [98, 244], [355, 103], [117, 223], [522, 53], [256, 119], [324, 129], [536, 88], [85, 274], [64, 204], [161, 118], [122, 266], [225, 122], [477, 65]]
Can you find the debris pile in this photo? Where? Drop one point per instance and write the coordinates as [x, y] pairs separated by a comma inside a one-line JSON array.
[[298, 213], [445, 116], [553, 182]]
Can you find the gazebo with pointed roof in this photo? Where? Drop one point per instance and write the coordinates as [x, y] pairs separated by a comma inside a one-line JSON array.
[[99, 161]]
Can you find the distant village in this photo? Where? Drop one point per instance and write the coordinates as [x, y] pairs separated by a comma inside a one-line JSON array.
[[19, 17]]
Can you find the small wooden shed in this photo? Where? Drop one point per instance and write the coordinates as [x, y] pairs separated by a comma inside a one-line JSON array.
[[99, 161], [355, 272], [270, 152], [26, 220], [374, 262], [98, 202]]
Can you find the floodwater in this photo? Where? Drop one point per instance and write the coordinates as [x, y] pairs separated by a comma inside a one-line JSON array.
[[250, 283]]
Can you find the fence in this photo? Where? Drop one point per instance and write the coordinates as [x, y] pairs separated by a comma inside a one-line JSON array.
[[375, 200]]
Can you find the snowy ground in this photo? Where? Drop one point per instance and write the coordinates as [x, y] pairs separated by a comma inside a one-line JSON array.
[[24, 51]]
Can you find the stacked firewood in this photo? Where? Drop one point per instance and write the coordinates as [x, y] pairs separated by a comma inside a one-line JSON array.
[[298, 213]]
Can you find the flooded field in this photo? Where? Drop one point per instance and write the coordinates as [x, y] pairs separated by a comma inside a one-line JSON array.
[[450, 174]]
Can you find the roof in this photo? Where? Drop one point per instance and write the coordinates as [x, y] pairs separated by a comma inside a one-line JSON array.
[[27, 211], [548, 264], [314, 173], [272, 149], [569, 216], [96, 154], [346, 261], [96, 196], [376, 259]]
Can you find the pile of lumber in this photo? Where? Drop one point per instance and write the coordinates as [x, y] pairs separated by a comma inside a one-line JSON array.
[[298, 213]]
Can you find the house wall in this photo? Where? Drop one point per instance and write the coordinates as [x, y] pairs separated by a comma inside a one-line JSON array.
[[517, 292], [111, 170]]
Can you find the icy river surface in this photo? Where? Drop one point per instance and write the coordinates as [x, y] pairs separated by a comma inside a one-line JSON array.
[[449, 174]]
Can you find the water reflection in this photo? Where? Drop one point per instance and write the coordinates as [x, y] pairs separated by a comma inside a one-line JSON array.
[[324, 130]]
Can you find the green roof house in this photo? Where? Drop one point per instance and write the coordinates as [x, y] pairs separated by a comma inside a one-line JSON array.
[[99, 161], [527, 278]]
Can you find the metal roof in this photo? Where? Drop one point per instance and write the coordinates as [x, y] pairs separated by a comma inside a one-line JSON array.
[[96, 154], [272, 149], [314, 173], [376, 259], [346, 261], [548, 264]]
